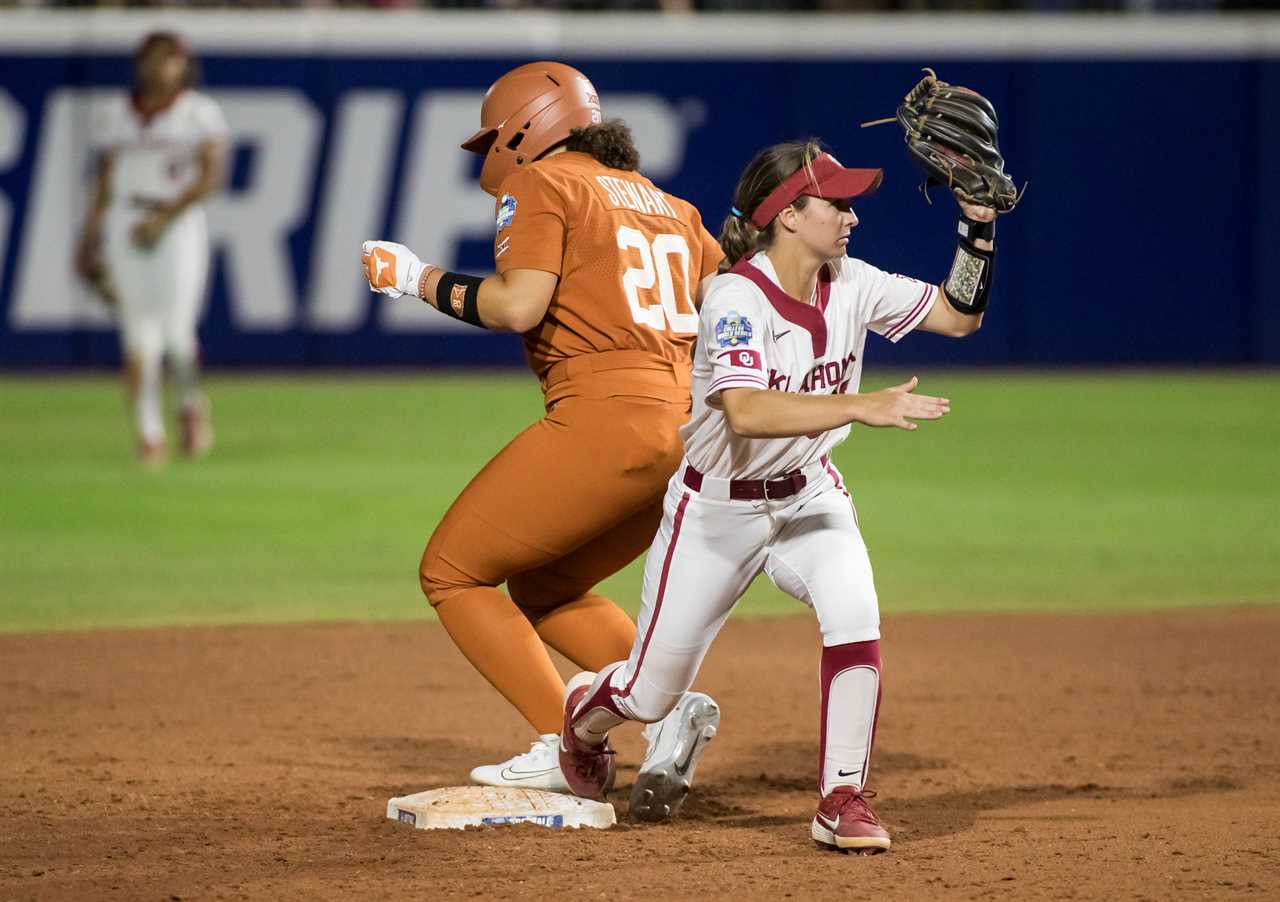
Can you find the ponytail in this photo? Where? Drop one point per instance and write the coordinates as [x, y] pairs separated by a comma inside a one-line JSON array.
[[739, 238]]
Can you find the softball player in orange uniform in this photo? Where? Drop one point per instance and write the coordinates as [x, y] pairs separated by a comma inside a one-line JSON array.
[[602, 272]]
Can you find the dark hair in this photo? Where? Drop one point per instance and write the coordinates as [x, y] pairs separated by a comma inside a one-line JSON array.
[[769, 169], [175, 43], [610, 143]]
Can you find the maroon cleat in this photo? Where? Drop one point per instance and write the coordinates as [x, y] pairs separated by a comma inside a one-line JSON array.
[[197, 430], [153, 455], [845, 821], [588, 769]]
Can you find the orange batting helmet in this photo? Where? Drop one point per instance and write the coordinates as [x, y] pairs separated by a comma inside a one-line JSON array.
[[527, 112]]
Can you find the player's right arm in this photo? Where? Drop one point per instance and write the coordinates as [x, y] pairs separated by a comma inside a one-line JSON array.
[[763, 413], [88, 250], [511, 301], [528, 254], [735, 342]]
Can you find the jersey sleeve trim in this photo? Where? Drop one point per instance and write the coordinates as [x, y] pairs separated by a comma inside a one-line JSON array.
[[917, 314], [736, 380]]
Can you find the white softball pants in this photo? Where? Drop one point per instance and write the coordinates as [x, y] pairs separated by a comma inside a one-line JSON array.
[[707, 551], [160, 292]]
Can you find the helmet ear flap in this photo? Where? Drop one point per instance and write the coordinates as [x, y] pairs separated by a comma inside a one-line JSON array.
[[515, 140], [513, 144]]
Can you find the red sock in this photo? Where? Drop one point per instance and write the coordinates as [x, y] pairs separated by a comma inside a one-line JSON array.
[[850, 708]]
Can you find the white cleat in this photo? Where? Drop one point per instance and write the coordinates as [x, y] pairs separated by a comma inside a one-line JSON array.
[[538, 768], [675, 744]]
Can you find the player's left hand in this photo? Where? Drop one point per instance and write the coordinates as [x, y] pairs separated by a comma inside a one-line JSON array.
[[391, 269], [975, 211], [953, 136], [148, 231]]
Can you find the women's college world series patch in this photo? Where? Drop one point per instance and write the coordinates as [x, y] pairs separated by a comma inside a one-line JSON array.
[[733, 329], [506, 211]]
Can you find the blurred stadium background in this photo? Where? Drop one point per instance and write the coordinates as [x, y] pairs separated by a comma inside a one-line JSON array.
[[1116, 423]]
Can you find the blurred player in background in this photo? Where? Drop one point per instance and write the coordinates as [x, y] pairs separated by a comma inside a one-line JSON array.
[[160, 152], [601, 271]]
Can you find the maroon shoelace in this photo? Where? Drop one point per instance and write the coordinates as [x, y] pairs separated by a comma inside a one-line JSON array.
[[855, 804]]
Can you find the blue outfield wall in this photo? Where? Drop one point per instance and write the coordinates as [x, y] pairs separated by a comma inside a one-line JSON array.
[[1150, 232]]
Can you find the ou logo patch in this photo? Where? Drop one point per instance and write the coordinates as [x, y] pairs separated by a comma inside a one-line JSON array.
[[743, 358]]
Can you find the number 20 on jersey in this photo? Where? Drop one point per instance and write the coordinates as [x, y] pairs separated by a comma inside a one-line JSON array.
[[657, 258]]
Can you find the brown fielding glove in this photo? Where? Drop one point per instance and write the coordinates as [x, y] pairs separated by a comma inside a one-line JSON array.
[[951, 135]]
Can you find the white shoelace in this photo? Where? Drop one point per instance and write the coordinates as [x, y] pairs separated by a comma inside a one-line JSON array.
[[543, 752]]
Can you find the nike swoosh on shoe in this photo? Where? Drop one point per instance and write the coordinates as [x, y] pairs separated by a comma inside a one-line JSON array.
[[830, 825], [682, 767], [509, 774]]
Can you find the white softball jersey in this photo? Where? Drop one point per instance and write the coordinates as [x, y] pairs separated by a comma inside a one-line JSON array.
[[755, 336], [155, 159], [719, 530], [155, 156]]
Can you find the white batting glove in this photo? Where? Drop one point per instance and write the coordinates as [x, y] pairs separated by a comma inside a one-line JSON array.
[[392, 269]]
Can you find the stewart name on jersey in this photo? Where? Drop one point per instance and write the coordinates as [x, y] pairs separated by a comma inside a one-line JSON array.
[[629, 258], [753, 335]]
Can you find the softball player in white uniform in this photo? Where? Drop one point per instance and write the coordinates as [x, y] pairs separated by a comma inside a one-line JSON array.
[[775, 388], [160, 152]]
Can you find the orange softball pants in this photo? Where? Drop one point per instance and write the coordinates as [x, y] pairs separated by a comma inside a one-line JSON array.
[[571, 500]]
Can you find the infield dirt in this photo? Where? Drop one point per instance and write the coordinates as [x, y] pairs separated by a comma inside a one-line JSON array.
[[1019, 757]]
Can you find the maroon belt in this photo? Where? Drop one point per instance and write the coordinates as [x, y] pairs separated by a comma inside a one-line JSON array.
[[752, 489]]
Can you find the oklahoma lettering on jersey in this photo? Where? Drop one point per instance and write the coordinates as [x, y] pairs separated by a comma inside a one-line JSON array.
[[753, 335], [823, 375], [629, 258]]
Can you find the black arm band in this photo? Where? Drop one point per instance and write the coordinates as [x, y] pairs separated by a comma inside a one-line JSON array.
[[968, 287], [976, 229], [456, 296]]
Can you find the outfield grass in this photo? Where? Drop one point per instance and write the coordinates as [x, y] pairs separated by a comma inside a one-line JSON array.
[[1067, 491]]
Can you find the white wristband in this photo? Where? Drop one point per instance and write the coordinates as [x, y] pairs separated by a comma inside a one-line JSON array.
[[412, 275]]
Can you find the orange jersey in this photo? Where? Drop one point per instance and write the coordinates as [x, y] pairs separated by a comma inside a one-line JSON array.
[[629, 257]]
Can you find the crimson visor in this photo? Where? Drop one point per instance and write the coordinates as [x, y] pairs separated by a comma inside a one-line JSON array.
[[824, 177]]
